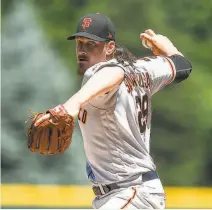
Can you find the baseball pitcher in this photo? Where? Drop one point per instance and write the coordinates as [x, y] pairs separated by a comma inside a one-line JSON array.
[[113, 108]]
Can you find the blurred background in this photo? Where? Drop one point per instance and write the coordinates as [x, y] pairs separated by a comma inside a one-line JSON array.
[[39, 72]]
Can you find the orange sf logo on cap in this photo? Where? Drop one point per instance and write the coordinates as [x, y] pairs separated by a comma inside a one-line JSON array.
[[86, 22]]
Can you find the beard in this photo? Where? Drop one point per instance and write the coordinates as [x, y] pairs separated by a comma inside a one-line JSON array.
[[83, 63], [82, 67]]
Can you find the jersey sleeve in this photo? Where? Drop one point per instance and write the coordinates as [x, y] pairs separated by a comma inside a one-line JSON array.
[[106, 100], [160, 70]]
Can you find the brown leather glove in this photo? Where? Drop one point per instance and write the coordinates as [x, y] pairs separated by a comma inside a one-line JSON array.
[[52, 136]]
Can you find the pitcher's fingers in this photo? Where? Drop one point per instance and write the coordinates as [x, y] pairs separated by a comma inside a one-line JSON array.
[[42, 119], [150, 32], [146, 36]]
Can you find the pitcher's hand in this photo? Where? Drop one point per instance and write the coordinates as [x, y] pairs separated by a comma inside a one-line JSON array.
[[159, 44]]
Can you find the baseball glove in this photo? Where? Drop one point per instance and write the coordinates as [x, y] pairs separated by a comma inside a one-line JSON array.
[[53, 135]]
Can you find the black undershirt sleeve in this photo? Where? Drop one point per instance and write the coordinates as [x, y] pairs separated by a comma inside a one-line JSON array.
[[183, 67]]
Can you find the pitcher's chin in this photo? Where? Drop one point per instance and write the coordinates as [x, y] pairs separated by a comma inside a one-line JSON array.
[[82, 67]]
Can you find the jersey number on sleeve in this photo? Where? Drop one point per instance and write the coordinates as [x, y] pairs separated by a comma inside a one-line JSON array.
[[142, 106]]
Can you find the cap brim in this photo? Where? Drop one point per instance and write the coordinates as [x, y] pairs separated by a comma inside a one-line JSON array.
[[87, 35]]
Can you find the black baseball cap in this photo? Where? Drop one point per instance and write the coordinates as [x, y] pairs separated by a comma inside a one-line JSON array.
[[96, 27]]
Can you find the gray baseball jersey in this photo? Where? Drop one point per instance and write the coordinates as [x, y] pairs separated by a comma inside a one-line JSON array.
[[116, 126]]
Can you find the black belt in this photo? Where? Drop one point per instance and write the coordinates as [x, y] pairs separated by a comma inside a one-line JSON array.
[[104, 189]]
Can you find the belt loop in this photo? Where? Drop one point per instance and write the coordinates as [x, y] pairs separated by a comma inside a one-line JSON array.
[[101, 189]]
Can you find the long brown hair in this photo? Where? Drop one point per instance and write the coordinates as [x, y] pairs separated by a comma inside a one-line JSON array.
[[122, 54]]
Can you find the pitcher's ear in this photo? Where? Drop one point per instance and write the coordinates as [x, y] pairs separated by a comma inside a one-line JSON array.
[[110, 48]]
